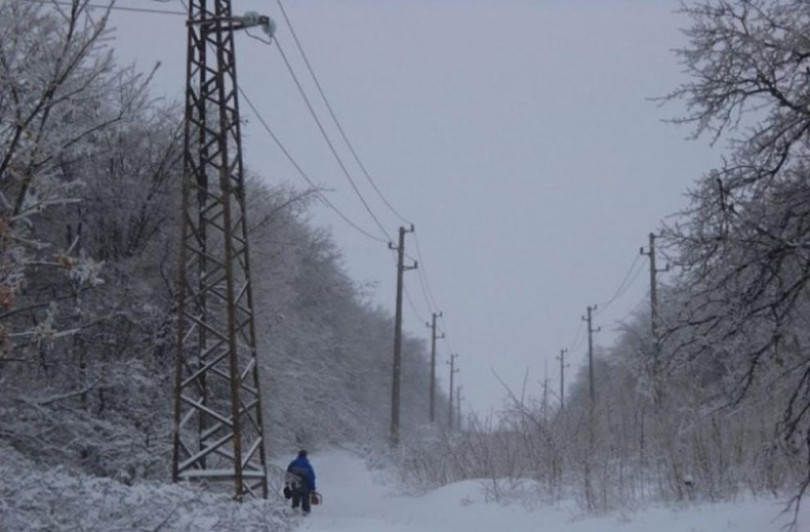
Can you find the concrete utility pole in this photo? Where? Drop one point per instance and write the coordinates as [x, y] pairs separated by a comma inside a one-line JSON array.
[[458, 406], [654, 317], [217, 432], [563, 365], [433, 338], [401, 268], [453, 371], [544, 406], [589, 495], [591, 330]]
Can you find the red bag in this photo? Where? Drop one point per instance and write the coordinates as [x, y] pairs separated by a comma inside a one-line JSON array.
[[315, 498]]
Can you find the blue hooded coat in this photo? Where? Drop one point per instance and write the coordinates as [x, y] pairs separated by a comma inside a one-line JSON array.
[[301, 467]]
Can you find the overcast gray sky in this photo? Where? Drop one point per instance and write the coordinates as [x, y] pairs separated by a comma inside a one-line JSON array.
[[518, 136]]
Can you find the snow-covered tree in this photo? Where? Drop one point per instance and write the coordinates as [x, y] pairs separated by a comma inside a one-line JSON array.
[[744, 243]]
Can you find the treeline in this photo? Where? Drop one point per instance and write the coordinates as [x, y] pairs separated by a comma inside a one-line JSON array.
[[717, 403], [90, 177]]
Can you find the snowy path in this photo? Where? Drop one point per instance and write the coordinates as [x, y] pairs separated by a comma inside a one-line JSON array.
[[355, 503]]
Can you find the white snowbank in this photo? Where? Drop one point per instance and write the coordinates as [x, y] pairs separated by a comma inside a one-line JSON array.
[[32, 499], [355, 503]]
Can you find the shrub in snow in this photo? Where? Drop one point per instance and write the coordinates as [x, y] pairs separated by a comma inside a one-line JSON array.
[[34, 498]]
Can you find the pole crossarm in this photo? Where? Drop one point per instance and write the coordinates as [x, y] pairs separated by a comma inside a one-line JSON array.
[[218, 432]]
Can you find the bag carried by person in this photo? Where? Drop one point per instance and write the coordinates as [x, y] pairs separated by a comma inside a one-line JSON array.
[[315, 498]]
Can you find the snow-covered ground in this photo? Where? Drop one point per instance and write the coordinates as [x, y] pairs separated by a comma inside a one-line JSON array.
[[354, 502], [36, 498]]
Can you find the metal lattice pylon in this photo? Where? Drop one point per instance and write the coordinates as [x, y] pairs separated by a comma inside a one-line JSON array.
[[218, 433]]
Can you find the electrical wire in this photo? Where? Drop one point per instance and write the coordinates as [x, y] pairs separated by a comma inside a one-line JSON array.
[[303, 174], [410, 303], [422, 283], [631, 312], [623, 286], [574, 345], [444, 331], [292, 160], [408, 297], [334, 116], [422, 286], [426, 280], [263, 41], [329, 141], [426, 290]]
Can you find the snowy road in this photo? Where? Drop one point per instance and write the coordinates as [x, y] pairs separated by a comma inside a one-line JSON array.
[[355, 503]]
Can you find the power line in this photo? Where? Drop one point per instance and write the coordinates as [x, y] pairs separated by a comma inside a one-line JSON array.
[[630, 283], [258, 116], [424, 282], [630, 277], [410, 304], [444, 330], [408, 297], [624, 285], [427, 281], [427, 293], [422, 285], [334, 116], [632, 311], [304, 174], [425, 286], [328, 140], [263, 41], [574, 345]]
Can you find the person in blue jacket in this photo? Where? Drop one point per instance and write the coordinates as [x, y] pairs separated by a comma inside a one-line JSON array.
[[301, 479]]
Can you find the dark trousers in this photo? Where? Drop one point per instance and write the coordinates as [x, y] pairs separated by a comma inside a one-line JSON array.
[[301, 496]]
